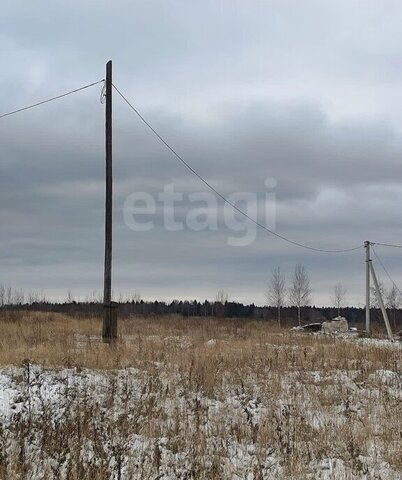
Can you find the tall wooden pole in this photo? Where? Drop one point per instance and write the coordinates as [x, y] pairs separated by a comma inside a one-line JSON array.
[[110, 314]]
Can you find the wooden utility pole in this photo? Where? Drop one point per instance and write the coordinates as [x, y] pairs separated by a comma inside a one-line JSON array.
[[110, 313]]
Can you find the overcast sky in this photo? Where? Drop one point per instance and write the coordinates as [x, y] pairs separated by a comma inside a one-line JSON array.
[[308, 93]]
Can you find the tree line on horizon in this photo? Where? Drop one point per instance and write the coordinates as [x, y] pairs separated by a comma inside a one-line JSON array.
[[221, 306]]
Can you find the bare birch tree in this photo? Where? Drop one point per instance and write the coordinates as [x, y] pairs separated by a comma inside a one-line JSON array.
[[277, 291], [222, 296], [221, 299], [338, 298], [300, 290], [9, 295]]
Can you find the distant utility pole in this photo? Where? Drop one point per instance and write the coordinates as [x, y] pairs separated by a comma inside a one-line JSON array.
[[368, 260], [110, 310]]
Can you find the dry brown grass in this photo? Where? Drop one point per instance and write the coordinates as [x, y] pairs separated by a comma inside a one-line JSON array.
[[59, 340], [318, 397]]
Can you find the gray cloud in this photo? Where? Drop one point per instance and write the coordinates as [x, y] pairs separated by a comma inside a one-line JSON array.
[[302, 92]]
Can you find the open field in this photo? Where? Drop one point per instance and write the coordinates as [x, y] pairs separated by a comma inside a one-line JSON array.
[[195, 398]]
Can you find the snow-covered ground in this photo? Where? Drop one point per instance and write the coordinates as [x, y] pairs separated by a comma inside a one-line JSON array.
[[241, 406]]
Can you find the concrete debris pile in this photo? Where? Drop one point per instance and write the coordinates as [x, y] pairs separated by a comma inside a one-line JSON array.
[[337, 325]]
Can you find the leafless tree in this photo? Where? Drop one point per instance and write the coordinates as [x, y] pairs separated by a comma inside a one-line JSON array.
[[300, 290], [222, 296], [338, 298], [121, 298], [393, 302], [70, 297], [277, 291], [18, 297], [136, 297], [9, 296], [374, 294], [221, 299], [33, 297]]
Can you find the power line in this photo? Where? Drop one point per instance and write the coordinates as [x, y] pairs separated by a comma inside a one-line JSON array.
[[386, 245], [50, 99], [385, 270], [181, 159]]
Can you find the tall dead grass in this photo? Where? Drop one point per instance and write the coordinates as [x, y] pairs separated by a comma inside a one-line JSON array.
[[59, 340], [298, 398]]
